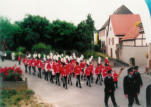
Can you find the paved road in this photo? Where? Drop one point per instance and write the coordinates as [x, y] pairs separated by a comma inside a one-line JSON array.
[[75, 97]]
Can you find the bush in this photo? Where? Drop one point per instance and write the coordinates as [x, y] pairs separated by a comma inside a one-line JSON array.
[[11, 73], [29, 92], [96, 48], [88, 54], [21, 49], [41, 48]]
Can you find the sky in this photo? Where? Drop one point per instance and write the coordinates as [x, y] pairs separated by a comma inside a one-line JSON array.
[[70, 10]]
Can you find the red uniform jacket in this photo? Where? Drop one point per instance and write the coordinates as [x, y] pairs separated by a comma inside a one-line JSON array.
[[77, 70], [87, 71], [91, 69], [115, 77], [104, 73], [19, 58], [57, 68], [29, 62], [98, 70], [39, 64], [64, 71], [25, 61]]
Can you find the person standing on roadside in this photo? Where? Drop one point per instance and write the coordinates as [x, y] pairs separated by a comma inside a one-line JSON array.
[[109, 89], [129, 87]]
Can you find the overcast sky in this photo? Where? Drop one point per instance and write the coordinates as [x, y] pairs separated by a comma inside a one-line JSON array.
[[70, 10]]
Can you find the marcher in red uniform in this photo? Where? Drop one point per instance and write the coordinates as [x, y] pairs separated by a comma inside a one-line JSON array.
[[34, 62], [29, 63], [47, 69], [98, 71], [19, 59], [88, 74], [64, 75], [82, 65], [52, 72], [57, 71], [77, 71], [91, 71], [39, 66], [25, 64], [69, 71], [115, 78]]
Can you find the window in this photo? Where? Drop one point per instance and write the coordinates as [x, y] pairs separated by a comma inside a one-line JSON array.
[[113, 41]]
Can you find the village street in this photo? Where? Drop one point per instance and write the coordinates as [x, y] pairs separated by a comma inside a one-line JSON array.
[[76, 97]]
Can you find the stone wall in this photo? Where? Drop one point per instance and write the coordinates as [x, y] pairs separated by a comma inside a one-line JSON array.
[[139, 53], [18, 85]]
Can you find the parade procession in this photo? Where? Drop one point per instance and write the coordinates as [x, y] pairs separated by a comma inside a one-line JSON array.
[[62, 69]]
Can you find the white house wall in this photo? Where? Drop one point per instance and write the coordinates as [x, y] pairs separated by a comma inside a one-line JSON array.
[[138, 41], [139, 53], [128, 43], [110, 46]]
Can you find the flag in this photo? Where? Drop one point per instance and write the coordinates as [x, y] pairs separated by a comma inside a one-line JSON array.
[[148, 2]]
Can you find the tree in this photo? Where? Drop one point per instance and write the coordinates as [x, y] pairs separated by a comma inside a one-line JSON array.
[[62, 35], [34, 29], [6, 31], [84, 34]]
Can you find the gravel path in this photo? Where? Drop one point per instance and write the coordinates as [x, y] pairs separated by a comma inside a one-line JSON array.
[[75, 97]]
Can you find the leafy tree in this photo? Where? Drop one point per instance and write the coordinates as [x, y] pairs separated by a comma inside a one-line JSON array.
[[6, 31], [41, 48], [34, 29], [84, 34], [62, 35]]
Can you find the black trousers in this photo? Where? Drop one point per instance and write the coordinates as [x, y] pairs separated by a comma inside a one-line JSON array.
[[51, 77], [88, 83], [130, 100], [98, 79], [107, 95], [91, 77], [65, 82], [69, 79], [34, 69], [25, 68], [46, 75], [29, 68], [82, 76], [19, 62], [58, 78], [39, 74], [116, 84], [78, 83]]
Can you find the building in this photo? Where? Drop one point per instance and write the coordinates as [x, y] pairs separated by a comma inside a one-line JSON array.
[[123, 38]]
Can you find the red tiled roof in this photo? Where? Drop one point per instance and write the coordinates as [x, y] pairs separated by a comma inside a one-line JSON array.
[[122, 23], [132, 34]]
